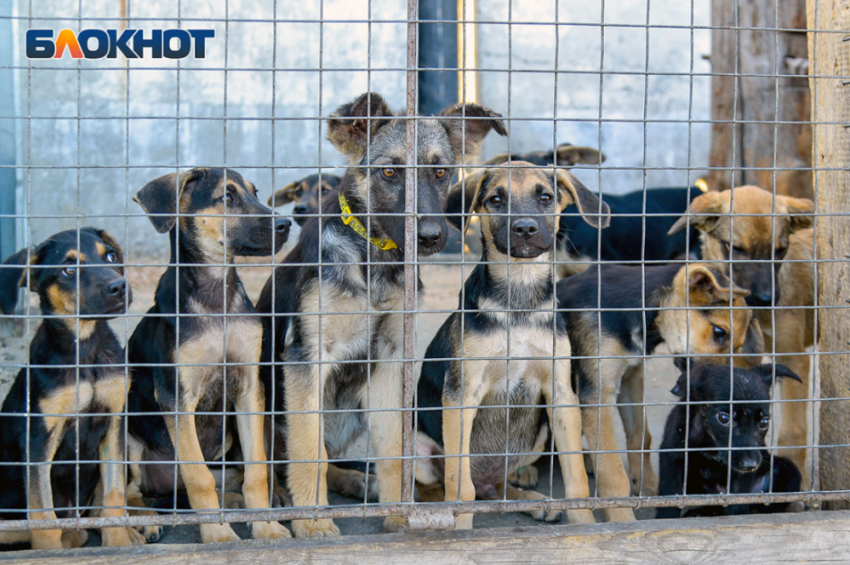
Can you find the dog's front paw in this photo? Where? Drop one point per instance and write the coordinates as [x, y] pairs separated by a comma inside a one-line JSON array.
[[269, 530], [649, 486], [524, 477], [121, 536], [550, 516], [217, 533], [395, 524], [324, 528], [72, 539], [152, 534]]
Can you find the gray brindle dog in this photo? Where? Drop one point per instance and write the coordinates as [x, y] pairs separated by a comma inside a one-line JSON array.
[[346, 313]]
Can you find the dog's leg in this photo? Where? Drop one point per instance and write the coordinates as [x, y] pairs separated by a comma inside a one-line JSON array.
[[611, 477], [199, 481], [793, 431], [637, 433], [352, 483], [457, 436], [566, 427], [513, 493], [249, 422], [305, 442], [134, 491], [111, 393], [40, 491], [386, 397]]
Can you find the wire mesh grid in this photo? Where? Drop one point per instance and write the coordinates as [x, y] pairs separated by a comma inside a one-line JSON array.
[[348, 311]]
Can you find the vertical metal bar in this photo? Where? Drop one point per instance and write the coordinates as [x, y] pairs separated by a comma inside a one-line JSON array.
[[410, 275]]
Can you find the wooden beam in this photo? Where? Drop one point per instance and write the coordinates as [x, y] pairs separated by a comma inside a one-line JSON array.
[[787, 538], [830, 60], [768, 91]]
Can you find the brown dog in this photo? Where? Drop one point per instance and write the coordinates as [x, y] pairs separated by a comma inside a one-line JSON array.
[[759, 247]]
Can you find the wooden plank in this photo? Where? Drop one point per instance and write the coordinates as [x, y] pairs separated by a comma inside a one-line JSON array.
[[760, 140], [832, 150], [778, 538]]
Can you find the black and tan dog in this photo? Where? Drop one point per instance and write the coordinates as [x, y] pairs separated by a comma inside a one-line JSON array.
[[704, 429], [687, 307], [55, 412], [306, 193], [773, 258], [361, 281], [202, 318], [565, 155], [509, 311]]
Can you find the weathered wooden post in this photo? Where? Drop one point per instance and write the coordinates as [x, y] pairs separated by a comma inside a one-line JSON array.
[[769, 124], [830, 65]]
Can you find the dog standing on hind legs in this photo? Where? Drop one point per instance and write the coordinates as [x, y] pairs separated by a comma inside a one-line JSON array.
[[360, 283], [200, 292], [773, 258], [509, 299]]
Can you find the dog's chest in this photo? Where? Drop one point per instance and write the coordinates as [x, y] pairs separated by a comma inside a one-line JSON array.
[[95, 391]]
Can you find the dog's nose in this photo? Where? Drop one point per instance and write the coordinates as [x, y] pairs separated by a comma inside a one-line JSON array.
[[525, 228], [282, 225], [429, 234], [300, 209], [763, 299], [750, 463], [116, 288]]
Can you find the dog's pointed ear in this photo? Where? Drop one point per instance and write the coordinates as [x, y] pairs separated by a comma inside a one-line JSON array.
[[332, 180], [570, 155], [159, 197], [753, 346], [766, 372], [13, 275], [113, 243], [468, 125], [283, 196], [354, 125], [572, 191], [710, 286], [803, 208], [463, 198], [703, 213]]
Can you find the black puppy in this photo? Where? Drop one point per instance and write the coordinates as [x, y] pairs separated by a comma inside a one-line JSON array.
[[202, 318], [709, 424], [81, 284], [306, 193]]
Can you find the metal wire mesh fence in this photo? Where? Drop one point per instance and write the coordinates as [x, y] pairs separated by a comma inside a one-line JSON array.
[[261, 364]]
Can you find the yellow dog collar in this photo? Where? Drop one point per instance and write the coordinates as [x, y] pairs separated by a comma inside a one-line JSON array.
[[349, 220]]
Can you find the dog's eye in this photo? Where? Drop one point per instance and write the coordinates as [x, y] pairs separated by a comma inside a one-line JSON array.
[[298, 193], [764, 422], [69, 271], [111, 257], [388, 173], [718, 333], [325, 190], [781, 252], [495, 200], [545, 198], [228, 198], [440, 173], [723, 418]]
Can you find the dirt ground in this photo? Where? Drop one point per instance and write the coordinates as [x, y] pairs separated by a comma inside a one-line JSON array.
[[442, 284]]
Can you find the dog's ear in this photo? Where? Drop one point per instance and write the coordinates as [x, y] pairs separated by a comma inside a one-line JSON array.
[[159, 197], [571, 191], [687, 366], [499, 159], [766, 372], [283, 196], [463, 198], [354, 125], [703, 213], [468, 125], [113, 243], [803, 207], [683, 364], [332, 180], [753, 345], [570, 155], [710, 286], [13, 275]]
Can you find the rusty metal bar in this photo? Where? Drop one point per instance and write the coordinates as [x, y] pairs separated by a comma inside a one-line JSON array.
[[410, 273]]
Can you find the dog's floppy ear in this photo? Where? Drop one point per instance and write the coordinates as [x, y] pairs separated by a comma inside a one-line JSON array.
[[499, 159], [571, 191], [766, 372], [680, 389], [802, 206], [753, 345], [352, 126], [463, 198], [332, 180], [13, 275], [158, 198], [710, 286], [283, 196], [112, 242], [704, 211], [468, 125], [569, 155]]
